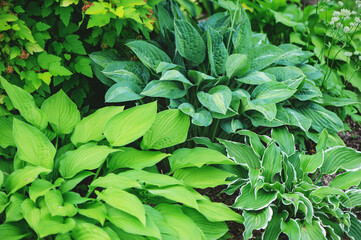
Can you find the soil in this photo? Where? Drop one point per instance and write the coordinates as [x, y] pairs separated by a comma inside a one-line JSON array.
[[352, 138]]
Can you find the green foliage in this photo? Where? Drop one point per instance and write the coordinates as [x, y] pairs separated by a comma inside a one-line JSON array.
[[63, 180]]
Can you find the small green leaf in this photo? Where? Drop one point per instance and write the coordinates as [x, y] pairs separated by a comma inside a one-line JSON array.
[[82, 65], [271, 162], [218, 99], [73, 44], [57, 70]]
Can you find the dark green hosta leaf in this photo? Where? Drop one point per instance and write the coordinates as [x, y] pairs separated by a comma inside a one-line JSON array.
[[237, 65], [242, 37], [355, 229], [122, 75], [312, 230], [166, 89], [4, 202], [271, 162], [311, 72], [284, 139], [148, 54], [112, 70], [291, 229], [271, 92], [164, 66], [273, 228], [231, 125], [115, 181], [248, 201], [201, 118], [95, 210], [341, 157], [198, 77], [189, 43], [6, 132], [33, 146], [175, 75], [176, 193], [61, 112], [218, 99], [169, 128], [123, 92], [298, 119], [9, 231], [88, 157], [293, 55], [256, 78], [346, 180], [291, 76], [217, 51], [103, 58], [256, 220], [131, 124], [263, 56], [308, 91], [84, 231]]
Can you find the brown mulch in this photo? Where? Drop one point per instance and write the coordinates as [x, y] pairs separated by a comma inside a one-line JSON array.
[[352, 138]]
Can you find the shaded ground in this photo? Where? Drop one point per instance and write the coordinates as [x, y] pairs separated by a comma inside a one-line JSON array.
[[353, 138]]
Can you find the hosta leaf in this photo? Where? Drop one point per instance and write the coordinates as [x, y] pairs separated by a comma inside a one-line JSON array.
[[123, 92], [273, 228], [263, 56], [175, 75], [114, 70], [271, 162], [217, 51], [271, 92], [254, 140], [62, 113], [298, 119], [69, 184], [256, 220], [309, 163], [237, 65], [308, 91], [6, 132], [4, 201], [337, 101], [84, 231], [291, 229], [49, 225], [25, 103], [116, 181], [217, 212], [218, 99], [177, 194], [284, 139], [256, 78], [291, 76], [248, 201], [293, 55], [341, 157], [88, 157], [198, 77], [55, 203], [39, 188], [91, 127], [243, 35], [95, 211], [312, 230], [325, 191], [9, 231], [346, 180], [121, 75], [166, 89], [148, 54], [355, 227], [201, 118], [189, 43], [151, 179], [169, 128], [130, 124]]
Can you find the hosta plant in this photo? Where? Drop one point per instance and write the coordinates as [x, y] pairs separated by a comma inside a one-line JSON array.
[[218, 71], [283, 190], [67, 177]]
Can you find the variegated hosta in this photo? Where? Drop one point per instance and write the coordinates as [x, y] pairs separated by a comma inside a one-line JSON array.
[[74, 178], [305, 196], [219, 69]]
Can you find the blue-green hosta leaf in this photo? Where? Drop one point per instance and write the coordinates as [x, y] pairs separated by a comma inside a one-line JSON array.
[[242, 39], [237, 65], [263, 56], [293, 55], [201, 118], [218, 21], [217, 212], [169, 128], [189, 43], [273, 228], [175, 75], [271, 162], [148, 54], [200, 177], [198, 77], [9, 231], [312, 230], [256, 220], [248, 201], [291, 229], [55, 204], [25, 103], [232, 109], [337, 101], [39, 188], [114, 71], [217, 51], [21, 177], [123, 92], [196, 157], [95, 210], [33, 146], [131, 124], [308, 91], [341, 157], [62, 113], [346, 180], [6, 132], [135, 159], [291, 76], [176, 193], [218, 99], [166, 89], [150, 179], [115, 181], [91, 127], [271, 92], [309, 163], [256, 78], [311, 72], [103, 58], [87, 157], [231, 125], [284, 139], [165, 66], [84, 231], [298, 119]]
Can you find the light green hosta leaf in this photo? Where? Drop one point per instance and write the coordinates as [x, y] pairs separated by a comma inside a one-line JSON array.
[[6, 132], [291, 229], [21, 177], [62, 113], [166, 89], [95, 210], [177, 194], [217, 212], [312, 230], [39, 188], [284, 139], [135, 159], [271, 92], [248, 201], [116, 181], [124, 201], [175, 75], [217, 51], [200, 177], [169, 128], [256, 220], [308, 91], [150, 179], [33, 146], [130, 124], [10, 231], [256, 78], [242, 154], [123, 92], [341, 157], [69, 184], [49, 225], [55, 203], [4, 201], [237, 65], [325, 191], [25, 103], [189, 43], [309, 163], [88, 157], [273, 228], [218, 99], [86, 231], [196, 157], [91, 127], [271, 162], [242, 38], [263, 56], [148, 54], [346, 180]]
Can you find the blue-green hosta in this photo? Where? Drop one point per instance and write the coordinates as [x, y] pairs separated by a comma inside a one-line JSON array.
[[286, 191], [219, 71], [48, 189]]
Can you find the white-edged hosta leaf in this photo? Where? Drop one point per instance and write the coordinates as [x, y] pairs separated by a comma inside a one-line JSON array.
[[354, 230], [131, 124], [86, 157], [272, 92], [95, 210], [312, 230], [91, 127], [62, 113], [169, 128], [175, 75], [237, 65], [115, 181], [346, 180], [271, 162], [341, 157], [273, 228], [284, 139], [217, 212], [291, 229], [39, 188], [263, 56], [165, 89], [325, 191], [248, 201], [298, 119], [150, 179], [217, 51], [6, 132], [256, 78], [189, 43], [33, 146], [132, 158], [218, 99], [177, 194], [86, 231], [123, 92], [25, 103], [256, 220], [309, 163], [9, 231], [254, 140]]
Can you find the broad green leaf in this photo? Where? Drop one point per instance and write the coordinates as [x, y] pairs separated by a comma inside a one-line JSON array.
[[273, 228], [175, 75], [39, 188], [88, 157], [69, 184], [124, 201], [166, 89], [25, 103], [55, 204], [291, 229], [9, 231], [218, 99], [62, 113], [293, 55], [217, 212], [127, 70], [189, 43], [177, 194], [256, 220], [95, 210], [341, 157], [263, 56], [298, 119], [198, 77], [256, 78], [151, 179], [284, 139], [148, 54], [85, 231], [354, 230], [116, 181], [1, 178], [196, 157], [271, 92], [217, 51], [242, 38], [21, 177], [237, 65], [309, 163], [131, 124], [337, 101], [6, 132], [325, 191], [271, 162], [91, 127], [308, 91], [291, 76], [49, 225], [312, 230], [123, 92], [248, 201], [201, 118], [254, 141], [4, 201], [346, 180]]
